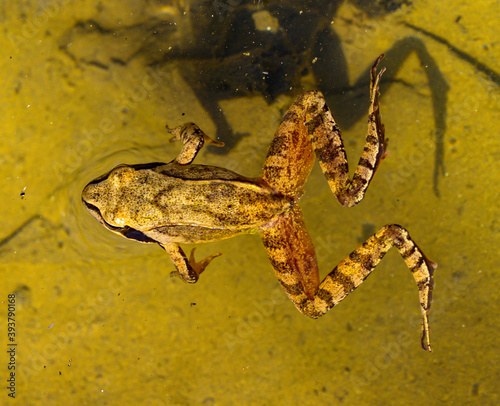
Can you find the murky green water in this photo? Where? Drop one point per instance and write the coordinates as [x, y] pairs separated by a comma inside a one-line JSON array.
[[98, 320]]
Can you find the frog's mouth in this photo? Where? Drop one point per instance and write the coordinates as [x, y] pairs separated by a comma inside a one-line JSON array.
[[127, 232]]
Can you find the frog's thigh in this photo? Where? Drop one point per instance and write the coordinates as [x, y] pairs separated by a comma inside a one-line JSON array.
[[291, 156], [291, 252]]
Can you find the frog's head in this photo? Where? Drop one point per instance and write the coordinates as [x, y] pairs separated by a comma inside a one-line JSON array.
[[102, 194], [106, 199]]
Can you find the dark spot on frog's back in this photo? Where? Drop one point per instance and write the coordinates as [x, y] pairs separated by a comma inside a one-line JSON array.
[[159, 198], [291, 116], [219, 190]]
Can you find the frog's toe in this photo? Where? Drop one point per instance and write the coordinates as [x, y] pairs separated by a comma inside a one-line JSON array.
[[175, 132], [200, 266], [230, 141]]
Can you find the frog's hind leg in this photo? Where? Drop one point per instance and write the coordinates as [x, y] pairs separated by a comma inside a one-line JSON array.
[[290, 250], [292, 254], [291, 155], [309, 128]]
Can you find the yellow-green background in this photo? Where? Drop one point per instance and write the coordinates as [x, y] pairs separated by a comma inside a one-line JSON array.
[[99, 320]]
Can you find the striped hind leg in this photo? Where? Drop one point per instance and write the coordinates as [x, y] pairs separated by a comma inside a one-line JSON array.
[[292, 255], [328, 147], [308, 128]]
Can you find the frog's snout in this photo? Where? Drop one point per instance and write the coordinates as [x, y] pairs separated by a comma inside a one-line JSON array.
[[94, 196], [88, 194]]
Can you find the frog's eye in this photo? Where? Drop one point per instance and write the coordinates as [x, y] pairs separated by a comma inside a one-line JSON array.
[[121, 175], [107, 175]]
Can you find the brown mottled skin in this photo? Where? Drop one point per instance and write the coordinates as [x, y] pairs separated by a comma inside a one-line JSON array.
[[182, 203]]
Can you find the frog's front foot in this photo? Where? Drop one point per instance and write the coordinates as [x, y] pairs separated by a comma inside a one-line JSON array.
[[190, 132], [200, 266], [194, 268], [230, 141], [187, 269], [193, 139]]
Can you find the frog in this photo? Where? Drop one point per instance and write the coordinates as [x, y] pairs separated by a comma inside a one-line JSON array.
[[183, 203]]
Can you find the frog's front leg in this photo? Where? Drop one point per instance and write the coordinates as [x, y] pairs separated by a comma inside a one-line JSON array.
[[292, 255], [307, 129], [193, 139], [188, 269]]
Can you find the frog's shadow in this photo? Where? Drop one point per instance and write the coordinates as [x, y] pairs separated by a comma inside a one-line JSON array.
[[246, 61], [224, 56]]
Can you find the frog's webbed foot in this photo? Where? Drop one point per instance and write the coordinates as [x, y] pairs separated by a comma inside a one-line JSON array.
[[187, 269], [194, 268], [200, 266], [193, 139], [375, 126]]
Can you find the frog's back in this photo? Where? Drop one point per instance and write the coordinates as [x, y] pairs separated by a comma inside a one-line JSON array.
[[201, 200]]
